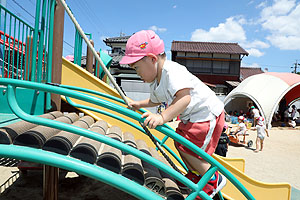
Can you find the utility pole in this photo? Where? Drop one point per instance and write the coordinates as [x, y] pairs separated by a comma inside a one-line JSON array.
[[295, 67]]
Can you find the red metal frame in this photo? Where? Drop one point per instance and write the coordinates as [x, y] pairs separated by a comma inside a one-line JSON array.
[[13, 45]]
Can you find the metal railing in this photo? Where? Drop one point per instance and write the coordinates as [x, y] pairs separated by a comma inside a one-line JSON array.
[[37, 155], [26, 51]]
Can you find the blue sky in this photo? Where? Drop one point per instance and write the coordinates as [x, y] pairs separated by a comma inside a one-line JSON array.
[[268, 29]]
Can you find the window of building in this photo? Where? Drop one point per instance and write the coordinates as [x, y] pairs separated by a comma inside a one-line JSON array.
[[116, 50], [221, 67]]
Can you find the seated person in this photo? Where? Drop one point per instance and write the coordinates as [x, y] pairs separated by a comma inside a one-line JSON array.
[[241, 129]]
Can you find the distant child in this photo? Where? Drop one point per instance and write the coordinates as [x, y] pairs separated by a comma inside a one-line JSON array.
[[255, 114], [241, 129], [262, 131], [222, 147], [201, 112]]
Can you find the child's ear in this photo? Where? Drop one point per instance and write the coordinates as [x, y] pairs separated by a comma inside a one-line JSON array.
[[153, 57]]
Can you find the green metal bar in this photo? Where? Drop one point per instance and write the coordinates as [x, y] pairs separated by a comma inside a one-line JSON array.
[[35, 40], [27, 56], [10, 13], [18, 53], [13, 51], [162, 143], [75, 47], [3, 53], [139, 128], [22, 55], [11, 96], [117, 99], [45, 56], [80, 167], [50, 52], [8, 59], [12, 83], [41, 43], [3, 47], [80, 50]]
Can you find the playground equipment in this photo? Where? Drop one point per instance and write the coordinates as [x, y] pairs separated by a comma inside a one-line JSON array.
[[235, 139], [106, 106]]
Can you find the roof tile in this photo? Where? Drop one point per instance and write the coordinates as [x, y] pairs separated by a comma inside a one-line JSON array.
[[208, 47]]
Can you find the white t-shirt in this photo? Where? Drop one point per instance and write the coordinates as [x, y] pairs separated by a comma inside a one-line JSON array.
[[255, 112], [204, 105], [242, 127]]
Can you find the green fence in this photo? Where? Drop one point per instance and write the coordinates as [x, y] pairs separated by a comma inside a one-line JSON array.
[[26, 50]]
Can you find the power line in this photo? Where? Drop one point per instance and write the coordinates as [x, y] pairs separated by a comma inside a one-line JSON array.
[[34, 18], [23, 8], [267, 65]]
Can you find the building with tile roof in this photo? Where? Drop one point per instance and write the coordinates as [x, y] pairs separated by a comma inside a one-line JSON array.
[[216, 64]]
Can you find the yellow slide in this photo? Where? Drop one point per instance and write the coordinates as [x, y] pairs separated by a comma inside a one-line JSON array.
[[76, 76]]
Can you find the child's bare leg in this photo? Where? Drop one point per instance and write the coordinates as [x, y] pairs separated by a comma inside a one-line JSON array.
[[188, 165], [261, 144], [196, 164]]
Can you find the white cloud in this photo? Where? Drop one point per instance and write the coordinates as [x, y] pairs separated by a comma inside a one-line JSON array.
[[282, 20], [280, 7], [230, 31], [175, 6], [157, 29], [255, 44], [262, 4], [255, 52]]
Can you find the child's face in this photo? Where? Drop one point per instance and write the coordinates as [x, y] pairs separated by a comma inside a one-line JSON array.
[[146, 68]]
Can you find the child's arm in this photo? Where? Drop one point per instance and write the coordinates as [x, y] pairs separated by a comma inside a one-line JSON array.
[[179, 104], [141, 104], [267, 132]]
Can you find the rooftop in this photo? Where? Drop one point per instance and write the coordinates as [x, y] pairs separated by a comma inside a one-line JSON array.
[[208, 47], [249, 71]]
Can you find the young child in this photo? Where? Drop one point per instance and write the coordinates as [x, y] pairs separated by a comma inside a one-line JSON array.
[[241, 129], [201, 112], [222, 147], [261, 133]]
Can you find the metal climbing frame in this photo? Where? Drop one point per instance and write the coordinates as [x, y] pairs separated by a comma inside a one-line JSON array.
[[90, 171]]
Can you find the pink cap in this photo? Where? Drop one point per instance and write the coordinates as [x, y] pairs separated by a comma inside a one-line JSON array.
[[141, 44]]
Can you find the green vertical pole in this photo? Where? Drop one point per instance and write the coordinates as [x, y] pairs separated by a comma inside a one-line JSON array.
[[18, 53], [50, 52], [26, 55], [41, 43], [9, 39], [5, 15], [13, 51], [75, 47], [22, 55], [35, 39]]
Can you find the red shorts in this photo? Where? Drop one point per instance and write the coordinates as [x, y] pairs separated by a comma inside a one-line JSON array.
[[203, 134]]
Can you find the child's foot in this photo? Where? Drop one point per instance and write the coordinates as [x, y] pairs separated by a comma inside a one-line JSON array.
[[256, 150], [190, 175], [214, 186]]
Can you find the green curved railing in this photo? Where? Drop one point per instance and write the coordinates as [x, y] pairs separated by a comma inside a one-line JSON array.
[[78, 166], [196, 188], [161, 142]]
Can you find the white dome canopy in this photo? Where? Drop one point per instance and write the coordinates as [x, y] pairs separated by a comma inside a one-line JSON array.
[[266, 90]]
